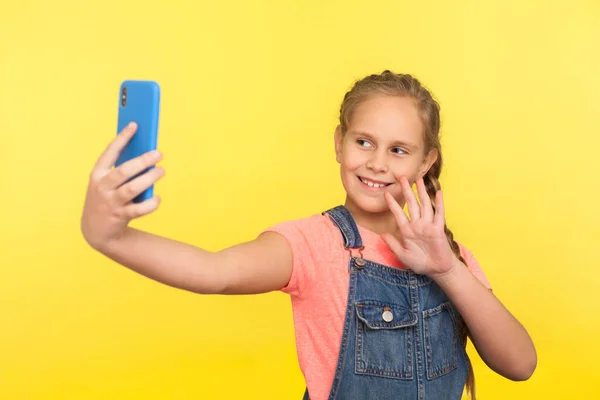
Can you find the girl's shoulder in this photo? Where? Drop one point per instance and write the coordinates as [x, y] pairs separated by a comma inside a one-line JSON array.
[[315, 229], [315, 244]]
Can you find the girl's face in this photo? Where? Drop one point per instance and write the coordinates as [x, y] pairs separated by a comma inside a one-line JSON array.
[[384, 142]]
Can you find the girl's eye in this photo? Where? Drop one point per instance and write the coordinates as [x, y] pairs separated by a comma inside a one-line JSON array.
[[363, 143], [398, 150]]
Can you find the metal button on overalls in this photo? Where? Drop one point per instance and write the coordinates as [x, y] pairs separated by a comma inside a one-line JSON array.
[[387, 315]]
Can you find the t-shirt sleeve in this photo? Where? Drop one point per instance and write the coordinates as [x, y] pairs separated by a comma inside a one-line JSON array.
[[474, 266], [306, 241]]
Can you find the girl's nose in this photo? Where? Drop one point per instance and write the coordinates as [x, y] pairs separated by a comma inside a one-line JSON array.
[[377, 163]]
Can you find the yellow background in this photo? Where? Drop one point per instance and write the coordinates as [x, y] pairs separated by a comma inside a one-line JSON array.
[[250, 95]]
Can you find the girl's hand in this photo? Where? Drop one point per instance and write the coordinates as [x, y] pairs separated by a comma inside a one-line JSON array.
[[422, 245], [108, 204]]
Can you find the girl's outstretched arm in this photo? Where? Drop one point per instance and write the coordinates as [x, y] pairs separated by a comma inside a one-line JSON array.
[[258, 266], [261, 265]]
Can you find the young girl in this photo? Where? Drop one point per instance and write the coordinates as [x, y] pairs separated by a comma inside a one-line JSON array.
[[382, 301]]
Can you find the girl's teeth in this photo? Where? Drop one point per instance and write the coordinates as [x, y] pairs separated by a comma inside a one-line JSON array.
[[373, 185]]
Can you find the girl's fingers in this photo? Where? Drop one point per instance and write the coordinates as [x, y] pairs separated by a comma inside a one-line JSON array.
[[409, 197], [110, 155], [129, 169], [426, 210], [395, 245], [136, 186], [439, 219], [136, 210], [401, 218]]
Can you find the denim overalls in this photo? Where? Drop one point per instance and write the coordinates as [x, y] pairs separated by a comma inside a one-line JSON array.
[[402, 337]]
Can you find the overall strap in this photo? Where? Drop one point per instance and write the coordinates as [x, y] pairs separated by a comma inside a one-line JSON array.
[[346, 224]]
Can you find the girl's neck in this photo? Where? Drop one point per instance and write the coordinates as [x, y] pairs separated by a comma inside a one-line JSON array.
[[379, 223]]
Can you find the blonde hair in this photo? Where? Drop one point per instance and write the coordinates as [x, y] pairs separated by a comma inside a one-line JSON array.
[[405, 85]]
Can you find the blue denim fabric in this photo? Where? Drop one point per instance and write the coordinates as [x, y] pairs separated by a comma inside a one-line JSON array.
[[402, 336]]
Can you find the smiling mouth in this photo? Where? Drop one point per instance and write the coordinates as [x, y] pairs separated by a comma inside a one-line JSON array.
[[373, 184]]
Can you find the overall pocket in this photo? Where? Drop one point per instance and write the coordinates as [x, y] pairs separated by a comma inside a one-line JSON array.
[[441, 340], [384, 340]]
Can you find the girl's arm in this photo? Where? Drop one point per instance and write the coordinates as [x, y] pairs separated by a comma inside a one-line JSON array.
[[422, 245], [258, 266], [501, 341], [261, 265]]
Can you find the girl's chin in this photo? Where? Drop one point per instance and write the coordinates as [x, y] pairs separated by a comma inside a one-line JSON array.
[[370, 204]]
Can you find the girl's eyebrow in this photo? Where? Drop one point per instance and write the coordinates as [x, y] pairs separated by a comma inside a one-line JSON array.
[[395, 143]]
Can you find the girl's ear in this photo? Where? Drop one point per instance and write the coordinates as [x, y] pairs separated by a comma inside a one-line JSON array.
[[338, 139], [428, 161]]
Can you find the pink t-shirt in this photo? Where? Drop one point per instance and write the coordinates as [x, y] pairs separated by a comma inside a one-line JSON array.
[[319, 291]]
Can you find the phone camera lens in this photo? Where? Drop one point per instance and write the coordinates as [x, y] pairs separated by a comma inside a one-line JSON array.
[[124, 97]]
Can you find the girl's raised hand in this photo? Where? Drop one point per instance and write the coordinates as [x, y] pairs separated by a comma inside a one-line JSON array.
[[108, 204], [422, 245]]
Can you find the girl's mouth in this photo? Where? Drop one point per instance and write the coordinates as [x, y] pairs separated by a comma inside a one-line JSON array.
[[373, 184]]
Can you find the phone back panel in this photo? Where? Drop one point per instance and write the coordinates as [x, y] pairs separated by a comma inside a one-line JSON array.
[[139, 101]]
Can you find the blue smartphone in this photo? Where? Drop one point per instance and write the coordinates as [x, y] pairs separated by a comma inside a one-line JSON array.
[[139, 102]]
